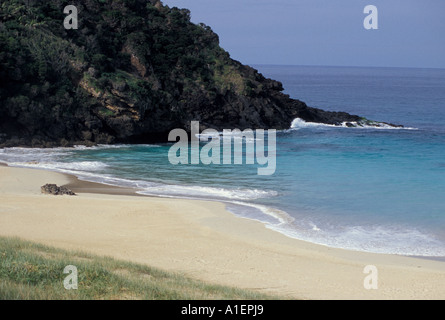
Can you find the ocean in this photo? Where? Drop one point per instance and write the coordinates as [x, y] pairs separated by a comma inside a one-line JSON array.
[[367, 189]]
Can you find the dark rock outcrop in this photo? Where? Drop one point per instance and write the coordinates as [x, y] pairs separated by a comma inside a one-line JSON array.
[[133, 71], [55, 190]]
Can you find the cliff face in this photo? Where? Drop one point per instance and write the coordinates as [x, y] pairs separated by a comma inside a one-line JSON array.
[[134, 70]]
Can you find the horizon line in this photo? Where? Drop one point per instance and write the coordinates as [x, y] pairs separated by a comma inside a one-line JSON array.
[[338, 66]]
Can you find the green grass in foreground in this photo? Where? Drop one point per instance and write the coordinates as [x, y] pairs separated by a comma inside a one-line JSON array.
[[33, 271]]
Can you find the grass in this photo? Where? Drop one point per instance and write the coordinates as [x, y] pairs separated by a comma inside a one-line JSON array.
[[30, 271]]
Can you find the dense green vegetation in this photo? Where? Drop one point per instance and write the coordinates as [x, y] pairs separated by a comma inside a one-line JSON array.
[[34, 42], [138, 56], [33, 271], [131, 72]]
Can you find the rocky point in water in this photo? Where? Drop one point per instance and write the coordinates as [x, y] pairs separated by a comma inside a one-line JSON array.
[[130, 73]]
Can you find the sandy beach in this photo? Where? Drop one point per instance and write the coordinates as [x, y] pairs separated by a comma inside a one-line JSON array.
[[202, 240]]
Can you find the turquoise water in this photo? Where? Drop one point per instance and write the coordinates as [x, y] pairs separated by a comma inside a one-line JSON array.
[[368, 189]]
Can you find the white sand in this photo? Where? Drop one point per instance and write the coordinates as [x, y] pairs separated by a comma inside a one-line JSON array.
[[204, 241]]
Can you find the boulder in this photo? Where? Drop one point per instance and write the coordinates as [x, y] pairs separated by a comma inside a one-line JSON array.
[[55, 190]]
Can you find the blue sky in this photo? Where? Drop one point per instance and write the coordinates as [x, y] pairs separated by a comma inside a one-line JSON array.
[[326, 32]]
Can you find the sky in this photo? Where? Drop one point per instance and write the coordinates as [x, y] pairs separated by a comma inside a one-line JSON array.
[[411, 33]]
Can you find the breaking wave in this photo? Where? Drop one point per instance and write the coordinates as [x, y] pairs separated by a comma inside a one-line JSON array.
[[299, 123]]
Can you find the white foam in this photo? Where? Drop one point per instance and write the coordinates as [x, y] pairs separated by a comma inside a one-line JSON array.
[[95, 171], [378, 239], [280, 217], [374, 239], [111, 146], [65, 166], [235, 135], [207, 192], [299, 123]]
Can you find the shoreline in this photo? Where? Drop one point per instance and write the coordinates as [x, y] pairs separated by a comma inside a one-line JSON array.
[[78, 185], [201, 239]]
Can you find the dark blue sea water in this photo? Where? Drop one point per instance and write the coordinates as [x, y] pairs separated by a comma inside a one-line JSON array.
[[367, 189]]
